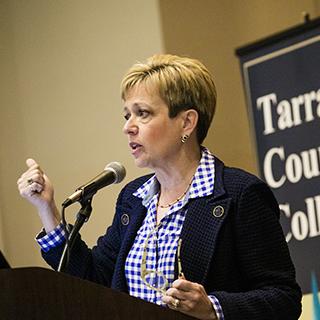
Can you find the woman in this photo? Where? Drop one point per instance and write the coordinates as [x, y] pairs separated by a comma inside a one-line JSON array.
[[220, 224]]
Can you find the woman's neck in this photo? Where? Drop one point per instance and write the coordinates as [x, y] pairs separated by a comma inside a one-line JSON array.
[[175, 180], [171, 193]]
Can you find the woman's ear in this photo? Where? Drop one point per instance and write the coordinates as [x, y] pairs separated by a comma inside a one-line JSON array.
[[190, 121]]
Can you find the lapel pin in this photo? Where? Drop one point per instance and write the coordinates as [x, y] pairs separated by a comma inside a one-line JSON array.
[[218, 211], [125, 219]]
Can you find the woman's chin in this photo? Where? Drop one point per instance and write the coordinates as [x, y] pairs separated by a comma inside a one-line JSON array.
[[140, 163]]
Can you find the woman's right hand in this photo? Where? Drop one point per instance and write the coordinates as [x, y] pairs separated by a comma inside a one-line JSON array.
[[37, 188]]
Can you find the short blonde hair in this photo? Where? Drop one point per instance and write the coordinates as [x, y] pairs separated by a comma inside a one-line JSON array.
[[182, 83]]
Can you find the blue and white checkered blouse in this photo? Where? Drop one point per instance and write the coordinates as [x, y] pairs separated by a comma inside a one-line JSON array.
[[162, 245]]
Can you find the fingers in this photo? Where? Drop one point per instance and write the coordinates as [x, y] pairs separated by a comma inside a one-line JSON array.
[[190, 298], [183, 285], [171, 301], [30, 162], [32, 181], [37, 188], [176, 295], [29, 189]]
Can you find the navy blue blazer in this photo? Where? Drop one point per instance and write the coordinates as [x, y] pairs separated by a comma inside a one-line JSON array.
[[232, 244]]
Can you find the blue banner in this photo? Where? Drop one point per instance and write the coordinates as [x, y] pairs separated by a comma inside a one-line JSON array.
[[281, 77]]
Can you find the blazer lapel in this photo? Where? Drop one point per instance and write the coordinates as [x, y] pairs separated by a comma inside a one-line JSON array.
[[199, 235], [201, 227]]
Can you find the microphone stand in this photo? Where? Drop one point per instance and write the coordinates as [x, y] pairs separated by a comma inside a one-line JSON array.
[[82, 216]]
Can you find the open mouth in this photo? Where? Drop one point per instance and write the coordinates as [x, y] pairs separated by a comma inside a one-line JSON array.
[[134, 145]]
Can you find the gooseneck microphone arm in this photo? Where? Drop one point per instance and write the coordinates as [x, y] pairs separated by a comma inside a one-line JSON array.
[[82, 217]]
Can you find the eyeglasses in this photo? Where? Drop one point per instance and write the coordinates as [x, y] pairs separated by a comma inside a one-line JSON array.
[[154, 279]]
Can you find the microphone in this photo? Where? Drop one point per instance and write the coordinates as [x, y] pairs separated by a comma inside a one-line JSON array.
[[113, 173]]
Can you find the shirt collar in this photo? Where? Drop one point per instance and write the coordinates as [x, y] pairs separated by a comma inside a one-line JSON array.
[[201, 186]]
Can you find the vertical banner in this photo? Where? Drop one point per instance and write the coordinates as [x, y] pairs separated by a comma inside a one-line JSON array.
[[281, 77]]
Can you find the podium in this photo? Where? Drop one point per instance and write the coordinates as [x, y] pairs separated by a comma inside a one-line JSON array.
[[38, 293]]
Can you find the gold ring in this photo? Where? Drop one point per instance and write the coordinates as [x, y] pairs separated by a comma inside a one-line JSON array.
[[176, 303], [31, 189]]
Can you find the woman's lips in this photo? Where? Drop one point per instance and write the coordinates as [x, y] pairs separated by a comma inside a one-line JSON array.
[[134, 147]]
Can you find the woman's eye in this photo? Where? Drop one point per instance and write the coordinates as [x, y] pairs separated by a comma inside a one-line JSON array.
[[143, 113], [127, 116]]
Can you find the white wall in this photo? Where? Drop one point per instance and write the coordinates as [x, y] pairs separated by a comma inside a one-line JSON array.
[[62, 63]]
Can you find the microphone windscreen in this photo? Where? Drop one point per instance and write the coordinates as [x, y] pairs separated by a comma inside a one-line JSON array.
[[118, 169]]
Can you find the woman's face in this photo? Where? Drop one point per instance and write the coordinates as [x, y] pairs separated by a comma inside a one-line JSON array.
[[154, 138]]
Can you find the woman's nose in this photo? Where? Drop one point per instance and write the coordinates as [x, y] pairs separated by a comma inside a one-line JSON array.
[[130, 127]]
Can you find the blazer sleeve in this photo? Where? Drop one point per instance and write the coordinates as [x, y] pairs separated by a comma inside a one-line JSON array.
[[96, 264]]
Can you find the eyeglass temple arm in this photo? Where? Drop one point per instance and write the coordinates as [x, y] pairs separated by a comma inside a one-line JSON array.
[[180, 272]]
